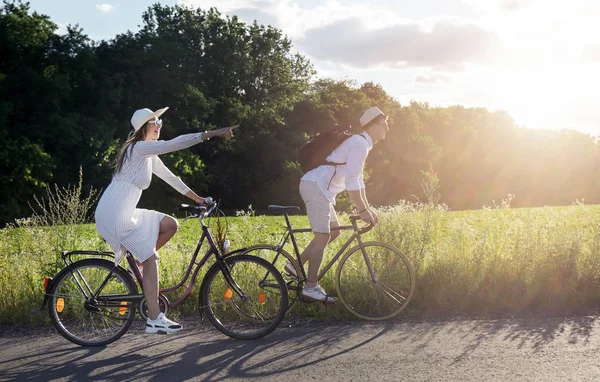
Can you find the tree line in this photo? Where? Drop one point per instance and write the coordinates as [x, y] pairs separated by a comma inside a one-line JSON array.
[[66, 102]]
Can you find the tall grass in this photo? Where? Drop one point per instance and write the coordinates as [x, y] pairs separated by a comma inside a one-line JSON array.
[[497, 260], [31, 248]]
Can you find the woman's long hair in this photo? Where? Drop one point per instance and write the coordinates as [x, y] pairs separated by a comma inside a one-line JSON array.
[[132, 139]]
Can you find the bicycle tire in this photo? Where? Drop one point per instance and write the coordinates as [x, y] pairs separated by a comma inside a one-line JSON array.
[[78, 318], [383, 298], [244, 318], [278, 258]]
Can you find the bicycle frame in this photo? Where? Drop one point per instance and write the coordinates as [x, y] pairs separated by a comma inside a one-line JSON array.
[[355, 236], [191, 270]]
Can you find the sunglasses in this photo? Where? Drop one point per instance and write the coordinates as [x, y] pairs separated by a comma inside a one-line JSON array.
[[156, 121]]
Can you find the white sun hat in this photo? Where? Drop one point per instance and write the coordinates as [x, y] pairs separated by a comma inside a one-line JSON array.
[[370, 115], [141, 116]]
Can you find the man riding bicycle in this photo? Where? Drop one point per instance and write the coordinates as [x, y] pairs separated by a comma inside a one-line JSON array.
[[319, 187]]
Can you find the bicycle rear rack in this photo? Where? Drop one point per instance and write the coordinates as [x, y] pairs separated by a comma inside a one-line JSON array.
[[68, 255]]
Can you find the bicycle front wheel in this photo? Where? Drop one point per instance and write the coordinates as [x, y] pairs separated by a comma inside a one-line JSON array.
[[259, 307], [82, 306], [377, 284]]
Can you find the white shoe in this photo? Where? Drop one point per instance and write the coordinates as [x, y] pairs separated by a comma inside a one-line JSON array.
[[318, 294], [162, 325], [290, 269]]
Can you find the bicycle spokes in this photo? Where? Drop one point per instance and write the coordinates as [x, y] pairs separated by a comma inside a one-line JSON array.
[[94, 318], [258, 307], [376, 283]]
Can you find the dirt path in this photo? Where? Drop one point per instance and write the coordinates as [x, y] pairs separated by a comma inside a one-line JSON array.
[[564, 349]]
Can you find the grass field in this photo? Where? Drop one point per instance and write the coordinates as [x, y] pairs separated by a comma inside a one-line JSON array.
[[491, 261]]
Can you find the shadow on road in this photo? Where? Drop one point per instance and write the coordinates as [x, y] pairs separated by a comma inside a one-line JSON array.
[[531, 333], [208, 355]]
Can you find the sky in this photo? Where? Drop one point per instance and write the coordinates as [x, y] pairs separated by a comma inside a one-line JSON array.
[[538, 60]]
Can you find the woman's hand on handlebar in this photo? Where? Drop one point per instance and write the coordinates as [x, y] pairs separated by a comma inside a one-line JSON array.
[[197, 199]]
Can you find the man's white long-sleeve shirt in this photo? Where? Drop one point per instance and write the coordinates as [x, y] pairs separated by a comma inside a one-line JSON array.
[[334, 179]]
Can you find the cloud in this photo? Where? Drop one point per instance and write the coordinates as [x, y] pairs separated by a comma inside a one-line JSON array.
[[445, 44], [432, 79], [249, 15], [591, 53], [226, 6], [512, 5], [504, 5], [105, 8], [295, 18], [62, 28]]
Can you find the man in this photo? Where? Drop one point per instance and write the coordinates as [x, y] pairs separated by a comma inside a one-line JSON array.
[[319, 187]]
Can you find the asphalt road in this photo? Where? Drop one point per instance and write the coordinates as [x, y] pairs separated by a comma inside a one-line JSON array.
[[525, 349]]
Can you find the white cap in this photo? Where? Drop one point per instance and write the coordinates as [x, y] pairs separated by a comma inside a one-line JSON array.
[[370, 115], [141, 116]]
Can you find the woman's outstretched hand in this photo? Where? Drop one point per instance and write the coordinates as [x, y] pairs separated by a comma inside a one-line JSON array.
[[227, 132]]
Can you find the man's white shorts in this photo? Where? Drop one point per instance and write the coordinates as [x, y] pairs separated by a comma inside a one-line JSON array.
[[318, 208]]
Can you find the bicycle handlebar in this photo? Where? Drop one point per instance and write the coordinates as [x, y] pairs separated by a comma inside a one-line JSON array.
[[364, 229], [199, 209]]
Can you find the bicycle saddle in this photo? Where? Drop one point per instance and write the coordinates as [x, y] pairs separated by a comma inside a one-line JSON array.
[[283, 209]]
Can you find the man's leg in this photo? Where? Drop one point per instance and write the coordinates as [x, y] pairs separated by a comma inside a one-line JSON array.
[[314, 255], [316, 249], [334, 233]]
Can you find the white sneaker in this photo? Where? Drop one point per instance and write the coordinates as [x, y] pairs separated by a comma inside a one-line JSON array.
[[290, 269], [162, 325], [318, 294]]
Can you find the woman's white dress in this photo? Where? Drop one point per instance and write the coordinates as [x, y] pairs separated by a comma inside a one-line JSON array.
[[118, 221]]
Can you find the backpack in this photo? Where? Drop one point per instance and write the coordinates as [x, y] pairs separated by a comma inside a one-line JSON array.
[[314, 153]]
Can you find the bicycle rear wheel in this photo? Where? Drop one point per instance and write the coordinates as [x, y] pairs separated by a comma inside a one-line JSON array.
[[81, 304], [382, 294], [258, 310]]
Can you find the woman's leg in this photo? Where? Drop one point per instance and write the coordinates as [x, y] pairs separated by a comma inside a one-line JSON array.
[[150, 282], [168, 227]]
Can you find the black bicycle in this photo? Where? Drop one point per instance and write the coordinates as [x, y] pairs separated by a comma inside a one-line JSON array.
[[374, 280], [93, 301]]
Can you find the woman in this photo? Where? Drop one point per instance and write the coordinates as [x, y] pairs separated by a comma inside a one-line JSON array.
[[142, 232]]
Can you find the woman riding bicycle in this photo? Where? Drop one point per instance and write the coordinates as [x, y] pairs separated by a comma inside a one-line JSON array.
[[139, 231]]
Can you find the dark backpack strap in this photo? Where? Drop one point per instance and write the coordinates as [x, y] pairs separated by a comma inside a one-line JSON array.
[[327, 163]]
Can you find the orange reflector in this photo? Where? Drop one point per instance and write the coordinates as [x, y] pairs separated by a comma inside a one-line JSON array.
[[60, 305], [228, 294], [262, 297], [123, 308]]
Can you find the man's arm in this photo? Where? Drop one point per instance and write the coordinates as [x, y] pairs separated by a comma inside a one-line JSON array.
[[363, 194], [357, 200], [357, 155], [363, 208]]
